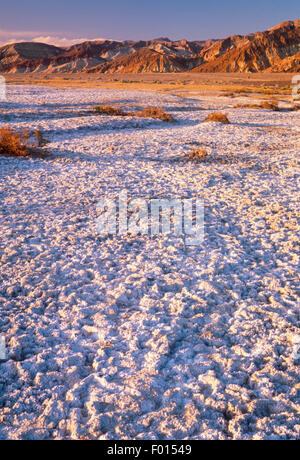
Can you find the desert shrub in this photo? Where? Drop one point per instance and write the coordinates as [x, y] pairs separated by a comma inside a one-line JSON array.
[[40, 138], [269, 91], [247, 106], [109, 110], [148, 112], [295, 107], [156, 113], [270, 105], [227, 94], [13, 143], [197, 155], [218, 117]]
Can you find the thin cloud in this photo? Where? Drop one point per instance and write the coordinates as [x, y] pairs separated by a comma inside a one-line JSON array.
[[62, 41], [12, 36]]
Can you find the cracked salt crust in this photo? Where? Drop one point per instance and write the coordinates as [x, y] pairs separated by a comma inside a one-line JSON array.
[[120, 337]]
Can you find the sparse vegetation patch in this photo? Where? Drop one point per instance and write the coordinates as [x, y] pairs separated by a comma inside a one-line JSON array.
[[269, 105], [13, 143], [218, 117], [109, 110], [197, 154], [148, 112], [156, 113]]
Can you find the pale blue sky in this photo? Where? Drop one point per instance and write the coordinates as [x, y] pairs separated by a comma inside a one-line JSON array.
[[138, 19]]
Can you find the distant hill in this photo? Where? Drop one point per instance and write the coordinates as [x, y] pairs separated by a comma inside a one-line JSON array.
[[17, 55], [145, 60], [274, 50], [252, 53]]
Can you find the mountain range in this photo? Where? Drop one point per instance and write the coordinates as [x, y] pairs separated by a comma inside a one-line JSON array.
[[274, 50]]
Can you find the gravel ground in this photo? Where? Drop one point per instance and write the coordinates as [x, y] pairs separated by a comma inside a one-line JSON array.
[[143, 337]]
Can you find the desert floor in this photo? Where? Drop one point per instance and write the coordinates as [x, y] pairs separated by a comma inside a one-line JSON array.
[[143, 337], [259, 83]]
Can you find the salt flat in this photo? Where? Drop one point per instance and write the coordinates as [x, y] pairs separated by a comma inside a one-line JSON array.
[[143, 337]]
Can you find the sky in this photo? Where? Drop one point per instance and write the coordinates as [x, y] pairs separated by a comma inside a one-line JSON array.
[[64, 22]]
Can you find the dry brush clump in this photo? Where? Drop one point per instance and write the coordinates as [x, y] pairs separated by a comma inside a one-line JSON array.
[[247, 106], [13, 143], [227, 94], [218, 117], [294, 108], [156, 113], [148, 112], [109, 110], [269, 105], [197, 154]]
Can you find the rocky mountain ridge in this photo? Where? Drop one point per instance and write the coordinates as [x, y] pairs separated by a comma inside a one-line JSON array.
[[274, 50]]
